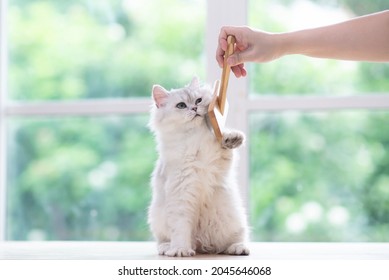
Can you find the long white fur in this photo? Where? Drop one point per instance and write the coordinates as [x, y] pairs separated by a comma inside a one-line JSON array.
[[196, 205]]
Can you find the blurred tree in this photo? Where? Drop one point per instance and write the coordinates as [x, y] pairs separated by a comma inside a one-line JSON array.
[[81, 185], [101, 49], [360, 7], [88, 178], [333, 161]]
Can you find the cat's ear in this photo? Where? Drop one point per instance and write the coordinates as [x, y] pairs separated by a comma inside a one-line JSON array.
[[195, 83], [160, 95]]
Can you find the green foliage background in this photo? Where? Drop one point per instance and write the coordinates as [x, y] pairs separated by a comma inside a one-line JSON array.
[[87, 178]]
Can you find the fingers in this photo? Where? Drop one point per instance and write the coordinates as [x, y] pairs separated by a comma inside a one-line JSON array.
[[239, 70], [221, 49], [234, 60]]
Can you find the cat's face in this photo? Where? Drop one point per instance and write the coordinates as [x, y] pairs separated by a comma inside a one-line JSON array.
[[186, 106]]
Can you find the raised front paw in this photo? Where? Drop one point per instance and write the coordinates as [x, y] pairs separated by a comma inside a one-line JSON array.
[[232, 140], [237, 249], [180, 252]]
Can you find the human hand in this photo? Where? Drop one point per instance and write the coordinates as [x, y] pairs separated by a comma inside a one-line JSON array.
[[251, 46]]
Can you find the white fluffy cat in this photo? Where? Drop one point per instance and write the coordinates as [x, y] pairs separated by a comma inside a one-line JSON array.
[[196, 205]]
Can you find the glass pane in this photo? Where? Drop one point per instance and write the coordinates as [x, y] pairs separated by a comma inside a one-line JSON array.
[[299, 75], [320, 176], [79, 178], [96, 49]]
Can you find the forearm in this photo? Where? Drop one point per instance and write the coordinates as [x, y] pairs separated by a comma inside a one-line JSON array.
[[363, 38]]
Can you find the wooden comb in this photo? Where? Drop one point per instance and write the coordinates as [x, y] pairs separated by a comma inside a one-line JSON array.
[[218, 108]]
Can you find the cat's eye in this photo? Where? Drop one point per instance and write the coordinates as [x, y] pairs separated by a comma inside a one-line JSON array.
[[198, 101], [181, 105]]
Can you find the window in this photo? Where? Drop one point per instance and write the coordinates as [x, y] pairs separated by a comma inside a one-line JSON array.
[[75, 99], [318, 146], [76, 154]]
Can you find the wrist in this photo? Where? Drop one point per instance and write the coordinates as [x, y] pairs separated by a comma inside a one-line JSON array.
[[286, 43]]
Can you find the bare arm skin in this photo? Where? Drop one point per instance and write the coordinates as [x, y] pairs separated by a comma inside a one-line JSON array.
[[364, 38]]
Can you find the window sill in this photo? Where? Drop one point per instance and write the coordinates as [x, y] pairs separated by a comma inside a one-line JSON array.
[[69, 250]]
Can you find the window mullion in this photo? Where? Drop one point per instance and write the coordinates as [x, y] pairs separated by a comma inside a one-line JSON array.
[[220, 13], [89, 107], [310, 103], [3, 90]]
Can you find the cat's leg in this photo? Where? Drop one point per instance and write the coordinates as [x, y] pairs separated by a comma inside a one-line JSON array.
[[237, 249], [180, 245], [180, 233], [232, 139], [230, 230], [160, 232], [181, 211], [163, 248], [180, 252], [174, 238], [157, 213], [237, 235]]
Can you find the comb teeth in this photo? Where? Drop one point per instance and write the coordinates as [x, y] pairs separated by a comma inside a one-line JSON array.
[[215, 117]]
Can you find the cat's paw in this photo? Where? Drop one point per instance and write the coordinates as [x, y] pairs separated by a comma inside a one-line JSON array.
[[237, 249], [163, 248], [180, 252], [232, 140]]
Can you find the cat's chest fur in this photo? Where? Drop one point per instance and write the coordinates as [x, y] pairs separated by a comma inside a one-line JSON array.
[[194, 153]]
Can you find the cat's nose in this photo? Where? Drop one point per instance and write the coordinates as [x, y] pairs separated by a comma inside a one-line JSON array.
[[194, 109]]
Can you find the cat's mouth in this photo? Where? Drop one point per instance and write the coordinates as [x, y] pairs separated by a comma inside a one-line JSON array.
[[196, 116]]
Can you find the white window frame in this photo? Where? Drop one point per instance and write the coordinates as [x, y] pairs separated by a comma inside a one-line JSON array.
[[3, 90], [219, 13]]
